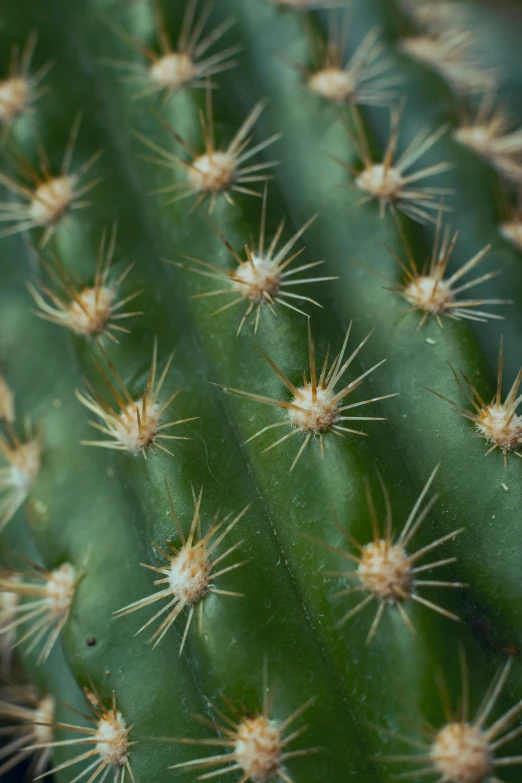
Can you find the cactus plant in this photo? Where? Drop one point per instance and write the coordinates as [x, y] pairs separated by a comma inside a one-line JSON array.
[[297, 194]]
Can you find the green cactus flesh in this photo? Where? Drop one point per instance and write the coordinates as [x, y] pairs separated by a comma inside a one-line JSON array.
[[260, 493]]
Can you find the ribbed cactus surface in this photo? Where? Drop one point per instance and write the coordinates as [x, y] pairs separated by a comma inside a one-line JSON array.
[[260, 325]]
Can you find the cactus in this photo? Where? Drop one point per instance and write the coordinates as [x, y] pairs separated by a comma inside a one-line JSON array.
[[239, 213]]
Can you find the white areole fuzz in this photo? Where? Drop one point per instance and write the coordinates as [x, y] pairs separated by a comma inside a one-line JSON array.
[[189, 574], [385, 571], [461, 754], [314, 413], [258, 748], [428, 50], [173, 71], [501, 426], [7, 408], [90, 312], [481, 138], [14, 97], [59, 590], [112, 742], [25, 463], [382, 182], [52, 199], [429, 294], [133, 432], [334, 84], [212, 172], [9, 602], [8, 614], [43, 716], [257, 279]]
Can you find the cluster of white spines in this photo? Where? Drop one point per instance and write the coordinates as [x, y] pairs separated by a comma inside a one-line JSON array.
[[42, 618], [20, 88], [49, 198], [27, 721], [23, 457], [465, 749], [187, 64], [190, 572]]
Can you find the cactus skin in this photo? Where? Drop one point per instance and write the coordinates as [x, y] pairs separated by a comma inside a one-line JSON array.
[[102, 511]]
